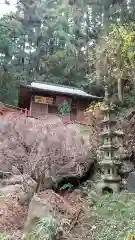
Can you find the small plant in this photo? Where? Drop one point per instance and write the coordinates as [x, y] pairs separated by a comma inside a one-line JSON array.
[[66, 186], [4, 236], [45, 229], [64, 108]]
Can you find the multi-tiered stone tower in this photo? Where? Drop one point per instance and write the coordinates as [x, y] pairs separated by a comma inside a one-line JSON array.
[[111, 141]]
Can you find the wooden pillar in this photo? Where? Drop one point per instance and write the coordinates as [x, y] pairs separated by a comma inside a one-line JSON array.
[[47, 109], [31, 106]]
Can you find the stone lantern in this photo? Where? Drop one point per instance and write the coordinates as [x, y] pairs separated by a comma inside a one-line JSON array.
[[111, 140]]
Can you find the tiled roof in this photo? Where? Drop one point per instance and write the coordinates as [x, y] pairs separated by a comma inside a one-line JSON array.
[[62, 89]]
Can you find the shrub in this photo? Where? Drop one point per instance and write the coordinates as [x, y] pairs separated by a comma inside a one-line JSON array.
[[64, 108]]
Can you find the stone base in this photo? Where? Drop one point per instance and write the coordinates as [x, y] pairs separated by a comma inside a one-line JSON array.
[[110, 187]]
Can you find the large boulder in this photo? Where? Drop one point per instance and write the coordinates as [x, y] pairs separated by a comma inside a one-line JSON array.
[[10, 189], [47, 202], [43, 147], [23, 186], [24, 180], [51, 206], [13, 191], [43, 207]]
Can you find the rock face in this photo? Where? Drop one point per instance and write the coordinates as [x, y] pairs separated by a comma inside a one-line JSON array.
[[22, 186], [128, 126], [13, 191], [43, 206], [51, 205], [43, 147], [12, 215], [131, 182], [48, 202]]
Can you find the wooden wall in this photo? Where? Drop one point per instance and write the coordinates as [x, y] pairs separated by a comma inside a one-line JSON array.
[[38, 109], [77, 107]]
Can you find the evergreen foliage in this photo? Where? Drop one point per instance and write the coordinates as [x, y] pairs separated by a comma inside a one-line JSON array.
[[64, 108], [58, 41]]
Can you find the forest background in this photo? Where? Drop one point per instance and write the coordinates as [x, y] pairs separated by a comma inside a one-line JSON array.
[[71, 42]]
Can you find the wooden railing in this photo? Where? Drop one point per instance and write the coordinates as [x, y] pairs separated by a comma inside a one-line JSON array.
[[9, 108], [25, 112]]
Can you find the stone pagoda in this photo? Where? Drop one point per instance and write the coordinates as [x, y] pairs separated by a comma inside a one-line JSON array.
[[111, 141]]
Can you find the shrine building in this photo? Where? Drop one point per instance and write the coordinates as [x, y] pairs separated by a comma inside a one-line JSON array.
[[43, 98]]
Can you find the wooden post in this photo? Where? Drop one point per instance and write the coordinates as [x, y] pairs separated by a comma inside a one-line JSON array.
[[25, 113]]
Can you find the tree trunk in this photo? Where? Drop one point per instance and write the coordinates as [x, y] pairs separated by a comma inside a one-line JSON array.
[[120, 90]]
